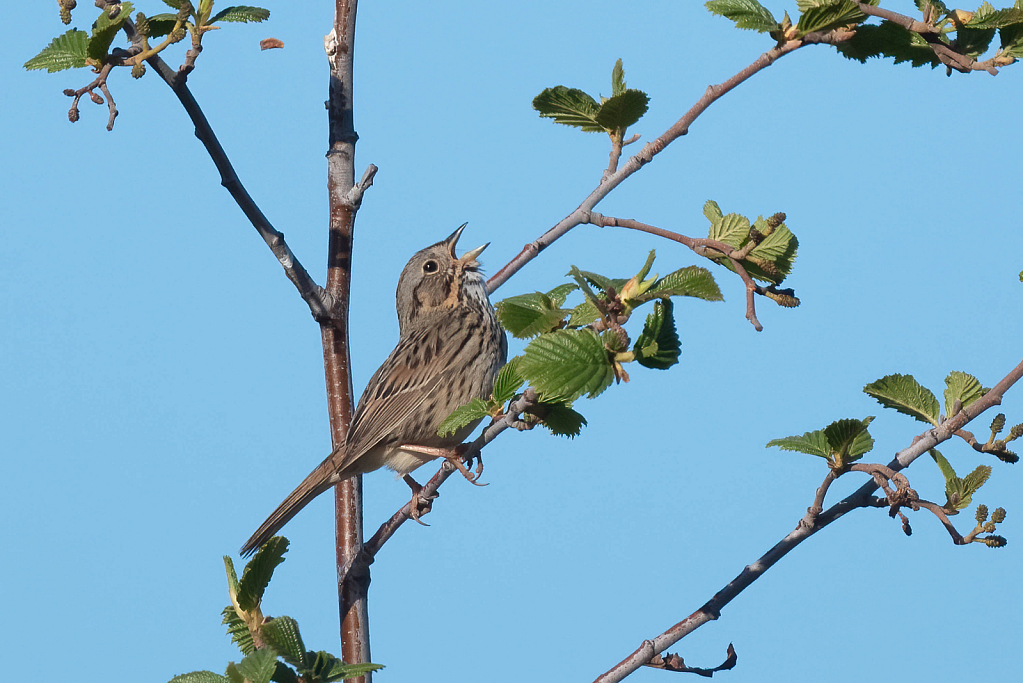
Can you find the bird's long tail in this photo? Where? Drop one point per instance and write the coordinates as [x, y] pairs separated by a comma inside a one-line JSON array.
[[319, 480]]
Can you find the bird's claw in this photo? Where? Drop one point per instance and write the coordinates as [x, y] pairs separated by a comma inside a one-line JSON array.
[[420, 504], [463, 467]]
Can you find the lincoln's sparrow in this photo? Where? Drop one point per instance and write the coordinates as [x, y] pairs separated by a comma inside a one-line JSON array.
[[449, 350]]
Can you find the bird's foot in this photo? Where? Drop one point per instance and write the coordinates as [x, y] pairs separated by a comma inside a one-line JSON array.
[[420, 504], [455, 456]]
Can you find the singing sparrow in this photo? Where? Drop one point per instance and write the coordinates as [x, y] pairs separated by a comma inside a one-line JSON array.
[[449, 350]]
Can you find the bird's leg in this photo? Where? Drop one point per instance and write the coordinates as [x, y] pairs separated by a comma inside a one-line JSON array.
[[419, 505], [454, 456]]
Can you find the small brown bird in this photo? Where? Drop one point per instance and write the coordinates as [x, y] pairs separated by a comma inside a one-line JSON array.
[[449, 350]]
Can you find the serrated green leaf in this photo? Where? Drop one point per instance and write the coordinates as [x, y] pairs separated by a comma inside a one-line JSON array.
[[509, 380], [590, 278], [104, 30], [232, 576], [241, 13], [621, 111], [561, 292], [888, 39], [569, 107], [67, 51], [658, 346], [341, 671], [747, 14], [1011, 39], [471, 412], [283, 636], [977, 478], [618, 78], [690, 281], [239, 632], [904, 394], [825, 17], [732, 229], [560, 418], [988, 17], [161, 24], [712, 211], [962, 387], [936, 4], [176, 4], [812, 443], [528, 315], [848, 440], [946, 468], [779, 249], [259, 666], [200, 677], [566, 364], [583, 314], [258, 572], [973, 42]]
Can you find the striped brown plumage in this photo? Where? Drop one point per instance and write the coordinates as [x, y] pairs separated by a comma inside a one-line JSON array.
[[449, 350]]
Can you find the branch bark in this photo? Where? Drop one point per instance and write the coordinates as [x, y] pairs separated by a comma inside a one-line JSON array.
[[344, 197]]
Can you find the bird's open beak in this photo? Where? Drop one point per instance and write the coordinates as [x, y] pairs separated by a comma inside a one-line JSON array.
[[469, 256]]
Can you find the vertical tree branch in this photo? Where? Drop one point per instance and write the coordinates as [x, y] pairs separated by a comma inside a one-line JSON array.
[[339, 45]]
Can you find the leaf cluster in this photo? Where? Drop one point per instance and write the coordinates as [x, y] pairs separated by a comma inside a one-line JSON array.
[[841, 443], [769, 246], [75, 48], [266, 641], [612, 115], [968, 33], [579, 350]]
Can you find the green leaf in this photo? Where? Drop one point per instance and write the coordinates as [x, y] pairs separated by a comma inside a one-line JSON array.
[[259, 666], [584, 314], [509, 381], [200, 677], [66, 51], [849, 440], [241, 13], [690, 281], [747, 14], [904, 394], [258, 572], [962, 387], [618, 78], [239, 632], [888, 40], [712, 211], [560, 418], [977, 478], [528, 315], [1011, 39], [824, 17], [813, 443], [105, 29], [946, 468], [176, 4], [283, 636], [326, 667], [987, 16], [936, 4], [161, 24], [732, 229], [973, 42], [341, 671], [561, 292], [658, 346], [621, 111], [463, 416], [232, 576], [570, 107], [566, 364], [778, 249]]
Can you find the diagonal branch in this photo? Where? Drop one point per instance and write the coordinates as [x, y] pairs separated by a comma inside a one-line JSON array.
[[652, 149], [320, 304], [862, 497]]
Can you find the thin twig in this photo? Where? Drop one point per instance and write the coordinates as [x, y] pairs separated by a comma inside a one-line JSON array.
[[862, 497], [425, 496], [651, 149]]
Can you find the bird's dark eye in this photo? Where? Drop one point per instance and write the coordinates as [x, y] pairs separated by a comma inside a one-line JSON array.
[[430, 267]]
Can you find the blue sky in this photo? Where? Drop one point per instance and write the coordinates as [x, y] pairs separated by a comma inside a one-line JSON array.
[[163, 384]]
